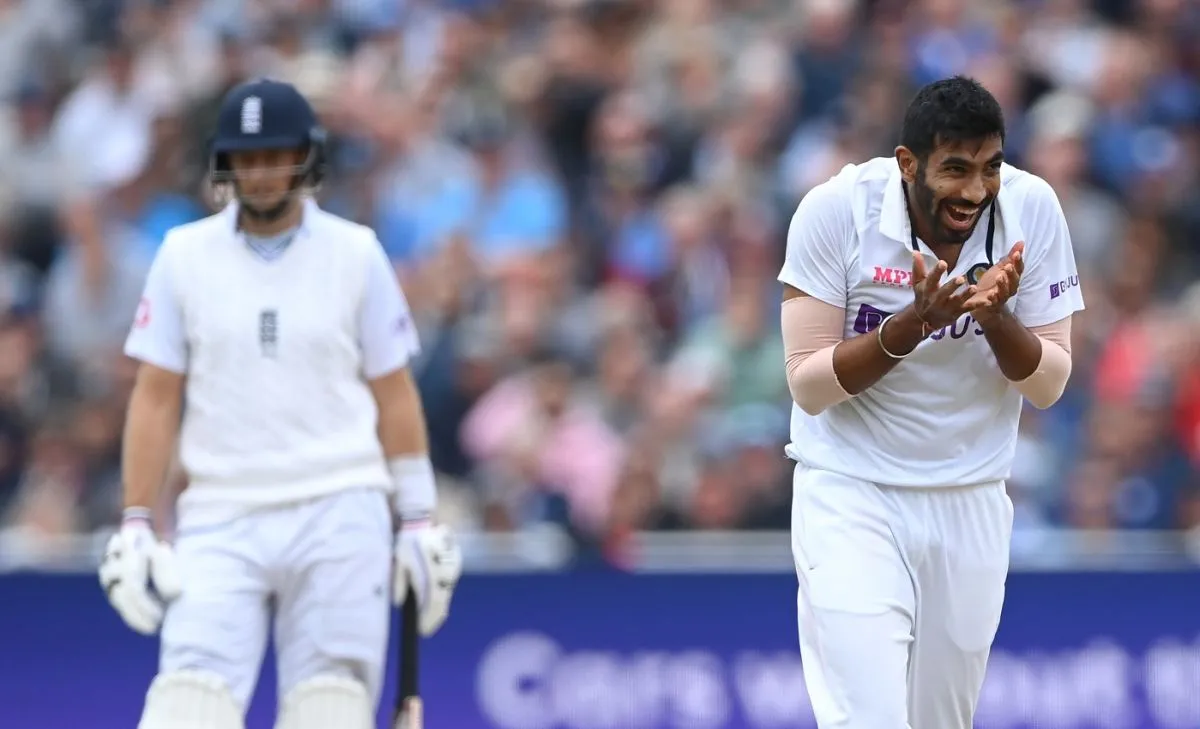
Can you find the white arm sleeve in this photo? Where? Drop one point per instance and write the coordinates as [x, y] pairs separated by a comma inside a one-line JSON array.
[[386, 331], [820, 231], [159, 336], [1049, 289]]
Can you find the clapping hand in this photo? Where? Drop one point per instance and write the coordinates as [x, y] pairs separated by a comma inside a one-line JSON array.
[[997, 285], [936, 304]]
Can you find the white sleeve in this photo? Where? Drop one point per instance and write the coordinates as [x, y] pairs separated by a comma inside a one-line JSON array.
[[158, 336], [821, 229], [386, 331], [1049, 289]]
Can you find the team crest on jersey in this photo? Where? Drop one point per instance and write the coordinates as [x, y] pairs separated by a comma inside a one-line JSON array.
[[268, 332], [141, 319], [976, 272], [252, 115]]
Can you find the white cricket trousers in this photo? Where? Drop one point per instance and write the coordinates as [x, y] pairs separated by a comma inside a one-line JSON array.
[[320, 568], [900, 594]]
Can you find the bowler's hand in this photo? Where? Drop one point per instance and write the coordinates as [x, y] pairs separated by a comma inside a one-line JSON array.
[[998, 284], [936, 304]]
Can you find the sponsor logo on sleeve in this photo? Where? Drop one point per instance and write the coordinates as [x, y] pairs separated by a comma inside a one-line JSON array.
[[1058, 288]]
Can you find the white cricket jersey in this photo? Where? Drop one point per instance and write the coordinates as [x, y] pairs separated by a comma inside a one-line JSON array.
[[277, 355], [945, 416]]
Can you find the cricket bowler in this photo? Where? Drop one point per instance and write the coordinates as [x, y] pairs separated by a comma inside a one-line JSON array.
[[926, 296]]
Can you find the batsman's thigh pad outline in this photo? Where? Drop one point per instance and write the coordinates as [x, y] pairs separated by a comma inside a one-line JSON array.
[[323, 702], [220, 623], [333, 611], [191, 700]]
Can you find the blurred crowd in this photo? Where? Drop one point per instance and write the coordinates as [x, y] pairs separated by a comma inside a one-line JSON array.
[[586, 202]]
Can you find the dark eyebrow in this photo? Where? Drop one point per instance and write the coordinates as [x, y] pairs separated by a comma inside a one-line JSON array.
[[962, 162]]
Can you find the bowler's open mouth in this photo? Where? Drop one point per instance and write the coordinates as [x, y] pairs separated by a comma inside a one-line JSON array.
[[961, 217]]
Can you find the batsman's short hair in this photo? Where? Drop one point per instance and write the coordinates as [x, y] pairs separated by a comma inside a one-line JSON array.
[[951, 110]]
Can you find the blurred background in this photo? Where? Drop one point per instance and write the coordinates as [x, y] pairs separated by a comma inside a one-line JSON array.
[[586, 202]]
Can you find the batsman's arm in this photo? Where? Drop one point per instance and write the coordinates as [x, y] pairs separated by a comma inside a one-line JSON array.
[[158, 341], [405, 443], [389, 341], [151, 427]]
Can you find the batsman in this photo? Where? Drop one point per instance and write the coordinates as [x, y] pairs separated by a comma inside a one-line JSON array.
[[274, 342]]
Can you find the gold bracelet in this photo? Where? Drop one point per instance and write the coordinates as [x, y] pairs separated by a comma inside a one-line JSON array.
[[926, 330]]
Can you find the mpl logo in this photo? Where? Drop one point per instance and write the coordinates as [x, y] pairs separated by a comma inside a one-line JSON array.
[[893, 277], [1061, 287]]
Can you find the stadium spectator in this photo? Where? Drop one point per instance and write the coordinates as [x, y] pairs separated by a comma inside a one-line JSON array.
[[586, 202]]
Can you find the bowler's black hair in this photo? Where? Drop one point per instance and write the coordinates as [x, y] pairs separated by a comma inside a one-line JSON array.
[[951, 110]]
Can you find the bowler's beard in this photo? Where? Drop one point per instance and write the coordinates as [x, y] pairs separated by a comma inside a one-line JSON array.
[[927, 212]]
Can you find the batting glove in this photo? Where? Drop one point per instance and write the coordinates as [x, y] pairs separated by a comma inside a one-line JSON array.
[[135, 561], [428, 561]]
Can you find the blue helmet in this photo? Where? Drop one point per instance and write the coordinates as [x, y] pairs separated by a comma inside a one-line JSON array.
[[266, 115]]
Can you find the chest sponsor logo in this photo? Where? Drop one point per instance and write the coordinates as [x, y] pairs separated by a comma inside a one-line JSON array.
[[869, 318], [897, 277]]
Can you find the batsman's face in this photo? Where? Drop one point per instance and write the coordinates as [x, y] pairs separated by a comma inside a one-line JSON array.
[[953, 186], [265, 177]]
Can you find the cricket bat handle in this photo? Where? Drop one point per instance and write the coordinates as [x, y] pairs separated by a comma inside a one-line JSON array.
[[411, 714]]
